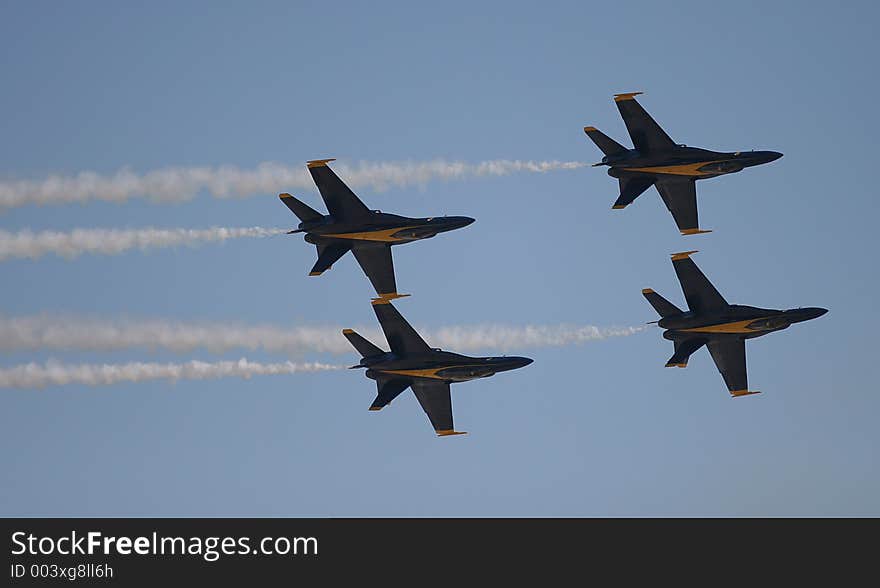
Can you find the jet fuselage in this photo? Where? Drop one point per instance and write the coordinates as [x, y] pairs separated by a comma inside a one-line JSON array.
[[747, 322], [381, 227], [439, 365], [691, 162]]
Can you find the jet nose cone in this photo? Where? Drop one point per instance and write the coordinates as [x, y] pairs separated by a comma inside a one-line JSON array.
[[461, 221], [812, 313], [808, 314], [505, 364], [761, 157], [450, 223], [518, 362]]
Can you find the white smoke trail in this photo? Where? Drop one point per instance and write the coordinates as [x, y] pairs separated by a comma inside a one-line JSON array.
[[175, 184], [29, 333], [53, 373], [507, 338], [70, 244]]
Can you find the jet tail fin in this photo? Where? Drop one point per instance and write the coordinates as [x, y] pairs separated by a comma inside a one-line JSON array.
[[663, 307], [608, 145], [300, 209], [364, 347]]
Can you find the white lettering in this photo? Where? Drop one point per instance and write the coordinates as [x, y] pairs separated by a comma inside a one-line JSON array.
[[94, 541], [142, 546], [15, 539]]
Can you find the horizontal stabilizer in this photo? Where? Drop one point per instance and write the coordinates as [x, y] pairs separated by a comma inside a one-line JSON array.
[[388, 391], [663, 307], [608, 145], [328, 254], [364, 347], [302, 210], [683, 351], [632, 187], [448, 433]]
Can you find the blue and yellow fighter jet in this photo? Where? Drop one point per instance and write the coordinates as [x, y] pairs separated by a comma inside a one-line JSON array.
[[720, 326], [368, 234], [656, 160], [411, 363]]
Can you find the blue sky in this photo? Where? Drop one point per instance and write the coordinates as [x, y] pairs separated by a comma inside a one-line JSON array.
[[601, 429]]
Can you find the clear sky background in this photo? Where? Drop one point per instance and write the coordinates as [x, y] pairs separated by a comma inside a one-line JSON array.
[[601, 429]]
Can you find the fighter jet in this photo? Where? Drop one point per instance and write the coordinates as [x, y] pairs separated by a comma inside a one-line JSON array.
[[351, 226], [657, 160], [722, 327], [411, 363]]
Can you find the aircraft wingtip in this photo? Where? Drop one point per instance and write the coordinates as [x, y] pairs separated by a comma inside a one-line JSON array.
[[387, 298], [738, 393], [626, 96], [683, 255], [319, 162]]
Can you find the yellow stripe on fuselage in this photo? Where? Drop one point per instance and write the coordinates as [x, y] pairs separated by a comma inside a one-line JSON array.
[[734, 327], [426, 373], [383, 235], [684, 169], [431, 373]]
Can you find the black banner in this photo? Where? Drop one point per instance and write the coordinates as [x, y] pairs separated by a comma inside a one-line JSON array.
[[127, 552]]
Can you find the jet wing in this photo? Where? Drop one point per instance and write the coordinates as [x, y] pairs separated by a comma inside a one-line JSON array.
[[631, 187], [388, 391], [376, 261], [328, 254], [729, 354], [340, 200], [701, 295], [646, 134], [437, 404], [680, 197], [402, 338]]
